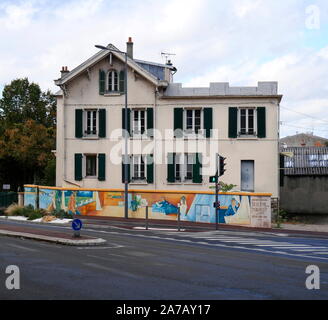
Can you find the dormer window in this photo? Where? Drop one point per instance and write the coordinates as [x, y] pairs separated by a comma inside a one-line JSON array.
[[112, 78]]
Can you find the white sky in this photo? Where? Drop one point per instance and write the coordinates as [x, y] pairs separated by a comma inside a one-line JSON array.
[[236, 41]]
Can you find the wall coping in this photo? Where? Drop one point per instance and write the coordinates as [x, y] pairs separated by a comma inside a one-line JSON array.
[[261, 194]]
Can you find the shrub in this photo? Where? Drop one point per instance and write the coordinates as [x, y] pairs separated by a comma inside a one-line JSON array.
[[62, 214], [36, 214]]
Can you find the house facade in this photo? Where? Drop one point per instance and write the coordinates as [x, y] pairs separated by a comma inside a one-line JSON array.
[[174, 132]]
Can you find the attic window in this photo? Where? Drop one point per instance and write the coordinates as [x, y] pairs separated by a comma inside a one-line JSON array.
[[112, 84]]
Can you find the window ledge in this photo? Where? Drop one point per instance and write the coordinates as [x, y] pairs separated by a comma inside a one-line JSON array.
[[110, 94], [185, 183], [91, 178], [139, 183], [90, 138], [247, 138]]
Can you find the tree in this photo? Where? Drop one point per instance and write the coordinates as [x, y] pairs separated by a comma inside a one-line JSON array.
[[22, 100], [27, 134]]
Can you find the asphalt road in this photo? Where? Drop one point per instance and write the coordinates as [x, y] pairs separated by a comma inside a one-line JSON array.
[[147, 265]]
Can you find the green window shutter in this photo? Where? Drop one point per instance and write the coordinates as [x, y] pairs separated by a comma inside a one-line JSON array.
[[101, 166], [78, 123], [261, 122], [208, 121], [150, 168], [123, 171], [233, 114], [171, 167], [102, 123], [150, 122], [128, 129], [196, 169], [282, 170], [122, 81], [102, 81], [78, 166], [178, 122]]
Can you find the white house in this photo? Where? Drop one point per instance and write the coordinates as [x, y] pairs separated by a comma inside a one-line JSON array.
[[175, 132]]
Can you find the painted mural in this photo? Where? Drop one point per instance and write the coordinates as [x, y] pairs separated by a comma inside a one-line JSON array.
[[194, 207]]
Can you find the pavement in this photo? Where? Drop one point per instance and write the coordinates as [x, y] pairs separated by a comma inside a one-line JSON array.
[[30, 230]]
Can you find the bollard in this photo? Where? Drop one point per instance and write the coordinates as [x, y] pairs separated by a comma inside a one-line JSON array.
[[179, 219], [146, 217]]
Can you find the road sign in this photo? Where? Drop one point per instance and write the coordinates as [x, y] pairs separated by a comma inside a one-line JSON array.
[[76, 224]]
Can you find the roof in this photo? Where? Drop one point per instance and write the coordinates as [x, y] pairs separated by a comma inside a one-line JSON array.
[[101, 55], [304, 139], [222, 89]]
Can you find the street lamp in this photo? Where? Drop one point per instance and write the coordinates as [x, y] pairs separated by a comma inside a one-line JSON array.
[[126, 158]]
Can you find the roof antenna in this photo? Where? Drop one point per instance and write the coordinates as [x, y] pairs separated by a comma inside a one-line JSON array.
[[167, 56]]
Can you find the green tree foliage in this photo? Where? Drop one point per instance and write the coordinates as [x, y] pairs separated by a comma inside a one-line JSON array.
[[27, 134]]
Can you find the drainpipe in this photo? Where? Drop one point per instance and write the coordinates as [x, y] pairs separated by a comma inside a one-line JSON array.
[[155, 136]]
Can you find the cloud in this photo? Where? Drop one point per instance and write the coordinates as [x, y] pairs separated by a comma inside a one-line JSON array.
[[17, 16], [240, 41]]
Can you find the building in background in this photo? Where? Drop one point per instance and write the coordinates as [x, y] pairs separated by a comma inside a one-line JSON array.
[[304, 180], [164, 117], [303, 140]]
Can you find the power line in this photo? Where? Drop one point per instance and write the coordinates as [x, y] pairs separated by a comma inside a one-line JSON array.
[[307, 128], [304, 114]]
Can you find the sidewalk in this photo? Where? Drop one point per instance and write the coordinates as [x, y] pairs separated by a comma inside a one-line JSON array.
[[30, 232], [133, 223]]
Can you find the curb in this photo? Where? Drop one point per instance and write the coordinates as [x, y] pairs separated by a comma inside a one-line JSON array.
[[85, 242]]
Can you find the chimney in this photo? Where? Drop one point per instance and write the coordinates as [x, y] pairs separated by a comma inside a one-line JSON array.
[[129, 48], [64, 71]]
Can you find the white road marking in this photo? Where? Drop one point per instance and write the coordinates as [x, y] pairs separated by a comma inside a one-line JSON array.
[[113, 246], [22, 247]]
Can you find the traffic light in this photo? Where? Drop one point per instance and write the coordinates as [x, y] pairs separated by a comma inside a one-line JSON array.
[[221, 166], [213, 179]]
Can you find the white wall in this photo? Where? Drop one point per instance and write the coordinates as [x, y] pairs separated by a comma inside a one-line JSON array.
[[84, 93]]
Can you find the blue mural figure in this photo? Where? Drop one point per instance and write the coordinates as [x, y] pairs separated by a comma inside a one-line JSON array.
[[232, 210], [164, 207]]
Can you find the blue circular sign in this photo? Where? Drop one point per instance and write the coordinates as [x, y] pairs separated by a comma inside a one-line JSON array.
[[76, 224]]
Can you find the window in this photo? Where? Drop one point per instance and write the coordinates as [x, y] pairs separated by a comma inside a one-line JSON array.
[[90, 122], [112, 81], [246, 122], [139, 122], [184, 167], [138, 168], [192, 120], [91, 165]]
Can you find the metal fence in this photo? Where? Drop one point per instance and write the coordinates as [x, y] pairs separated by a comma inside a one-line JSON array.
[[306, 161], [7, 198]]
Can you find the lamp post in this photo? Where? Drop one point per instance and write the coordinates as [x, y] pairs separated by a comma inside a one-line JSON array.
[[126, 157]]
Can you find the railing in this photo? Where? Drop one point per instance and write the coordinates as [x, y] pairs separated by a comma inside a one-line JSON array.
[[8, 198]]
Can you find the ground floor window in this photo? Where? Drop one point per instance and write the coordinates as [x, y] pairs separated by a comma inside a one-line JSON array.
[[138, 168], [91, 165], [184, 167]]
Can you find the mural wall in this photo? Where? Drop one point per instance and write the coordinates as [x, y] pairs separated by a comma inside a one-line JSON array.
[[236, 208]]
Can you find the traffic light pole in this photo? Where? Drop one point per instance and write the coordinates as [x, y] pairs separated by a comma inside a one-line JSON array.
[[217, 193]]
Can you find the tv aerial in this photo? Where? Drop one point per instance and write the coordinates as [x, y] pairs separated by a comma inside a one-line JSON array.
[[167, 56]]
